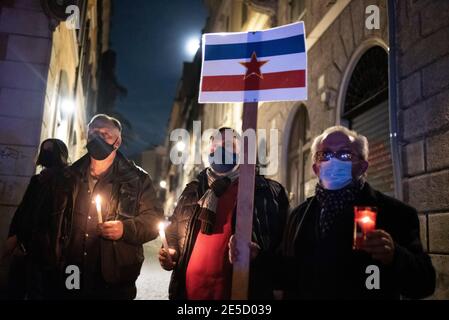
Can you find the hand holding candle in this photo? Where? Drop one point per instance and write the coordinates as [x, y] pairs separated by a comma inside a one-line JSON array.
[[98, 204], [162, 226], [380, 245]]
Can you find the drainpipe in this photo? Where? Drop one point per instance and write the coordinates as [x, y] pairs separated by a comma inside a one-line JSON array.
[[393, 100]]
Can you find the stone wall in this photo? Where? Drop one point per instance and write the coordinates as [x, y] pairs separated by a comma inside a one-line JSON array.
[[329, 60], [25, 44], [423, 62]]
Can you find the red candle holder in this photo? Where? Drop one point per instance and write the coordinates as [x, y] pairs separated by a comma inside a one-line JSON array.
[[364, 221]]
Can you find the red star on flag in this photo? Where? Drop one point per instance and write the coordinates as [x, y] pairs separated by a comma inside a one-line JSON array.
[[253, 67]]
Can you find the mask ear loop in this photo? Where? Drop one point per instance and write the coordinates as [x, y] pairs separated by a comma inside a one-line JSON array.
[[113, 145]]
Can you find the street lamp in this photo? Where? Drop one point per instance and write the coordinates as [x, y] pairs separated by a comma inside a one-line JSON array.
[[67, 106]]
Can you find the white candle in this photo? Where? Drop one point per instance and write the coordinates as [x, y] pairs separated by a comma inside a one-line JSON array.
[[98, 203], [162, 226], [162, 235]]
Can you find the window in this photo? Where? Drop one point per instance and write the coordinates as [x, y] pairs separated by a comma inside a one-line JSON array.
[[367, 111], [299, 168]]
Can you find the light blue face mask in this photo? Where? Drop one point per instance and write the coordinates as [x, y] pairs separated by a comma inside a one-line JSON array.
[[335, 174]]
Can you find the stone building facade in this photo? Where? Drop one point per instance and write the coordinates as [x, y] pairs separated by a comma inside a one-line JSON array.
[[387, 80], [423, 85], [48, 87]]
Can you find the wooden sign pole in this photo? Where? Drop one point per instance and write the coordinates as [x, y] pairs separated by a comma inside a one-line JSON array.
[[245, 206]]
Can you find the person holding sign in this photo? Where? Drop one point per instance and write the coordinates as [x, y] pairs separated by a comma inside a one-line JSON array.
[[350, 241], [251, 67], [109, 210], [203, 223]]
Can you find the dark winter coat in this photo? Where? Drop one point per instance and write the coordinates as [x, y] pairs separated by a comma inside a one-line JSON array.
[[270, 211], [316, 268]]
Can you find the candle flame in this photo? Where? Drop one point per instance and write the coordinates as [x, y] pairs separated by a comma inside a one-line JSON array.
[[365, 220]]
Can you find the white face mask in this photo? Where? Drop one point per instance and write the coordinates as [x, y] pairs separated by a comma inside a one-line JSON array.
[[335, 174]]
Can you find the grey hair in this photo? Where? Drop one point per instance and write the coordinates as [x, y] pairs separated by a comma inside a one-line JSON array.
[[360, 141], [104, 117]]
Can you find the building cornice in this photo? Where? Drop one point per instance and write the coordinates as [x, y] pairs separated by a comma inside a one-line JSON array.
[[267, 7]]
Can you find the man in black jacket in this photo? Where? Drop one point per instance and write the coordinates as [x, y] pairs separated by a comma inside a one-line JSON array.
[[319, 259], [104, 240], [203, 223]]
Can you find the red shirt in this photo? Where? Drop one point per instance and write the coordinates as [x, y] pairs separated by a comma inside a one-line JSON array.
[[209, 273]]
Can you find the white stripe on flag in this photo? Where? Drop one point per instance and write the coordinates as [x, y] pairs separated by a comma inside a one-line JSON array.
[[291, 94], [286, 31], [286, 62]]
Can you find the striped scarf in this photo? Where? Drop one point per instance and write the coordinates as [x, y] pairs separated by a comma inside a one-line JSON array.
[[218, 184]]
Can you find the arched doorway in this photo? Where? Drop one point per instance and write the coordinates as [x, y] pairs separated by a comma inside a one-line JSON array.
[[366, 111], [298, 166]]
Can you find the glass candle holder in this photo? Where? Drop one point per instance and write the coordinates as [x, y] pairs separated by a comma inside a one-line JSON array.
[[364, 221]]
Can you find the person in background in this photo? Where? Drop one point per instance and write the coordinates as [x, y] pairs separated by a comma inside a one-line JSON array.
[[29, 239]]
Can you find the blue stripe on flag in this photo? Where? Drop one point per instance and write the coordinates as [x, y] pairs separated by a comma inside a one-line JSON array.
[[269, 48]]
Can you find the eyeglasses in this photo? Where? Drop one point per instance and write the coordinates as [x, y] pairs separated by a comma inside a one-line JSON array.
[[340, 155]]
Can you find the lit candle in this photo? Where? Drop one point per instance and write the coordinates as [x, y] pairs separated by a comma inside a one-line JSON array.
[[364, 222], [162, 226], [98, 203], [367, 224], [162, 235]]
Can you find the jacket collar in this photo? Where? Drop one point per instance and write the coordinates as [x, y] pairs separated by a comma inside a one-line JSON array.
[[367, 196], [260, 182], [123, 169]]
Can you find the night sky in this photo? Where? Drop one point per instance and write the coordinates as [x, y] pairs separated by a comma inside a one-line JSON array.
[[149, 38]]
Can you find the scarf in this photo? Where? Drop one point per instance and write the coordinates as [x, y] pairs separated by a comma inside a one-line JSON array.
[[333, 203], [218, 184]]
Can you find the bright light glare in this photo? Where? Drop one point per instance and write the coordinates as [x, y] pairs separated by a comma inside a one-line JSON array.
[[192, 46], [366, 220], [67, 106]]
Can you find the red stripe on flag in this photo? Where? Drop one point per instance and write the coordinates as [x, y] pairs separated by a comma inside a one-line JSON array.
[[274, 80]]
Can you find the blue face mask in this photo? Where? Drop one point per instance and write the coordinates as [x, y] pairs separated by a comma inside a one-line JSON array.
[[228, 161], [335, 174]]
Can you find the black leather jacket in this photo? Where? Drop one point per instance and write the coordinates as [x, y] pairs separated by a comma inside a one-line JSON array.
[[133, 201], [270, 213]]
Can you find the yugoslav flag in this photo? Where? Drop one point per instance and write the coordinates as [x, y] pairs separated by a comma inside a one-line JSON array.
[[269, 65]]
